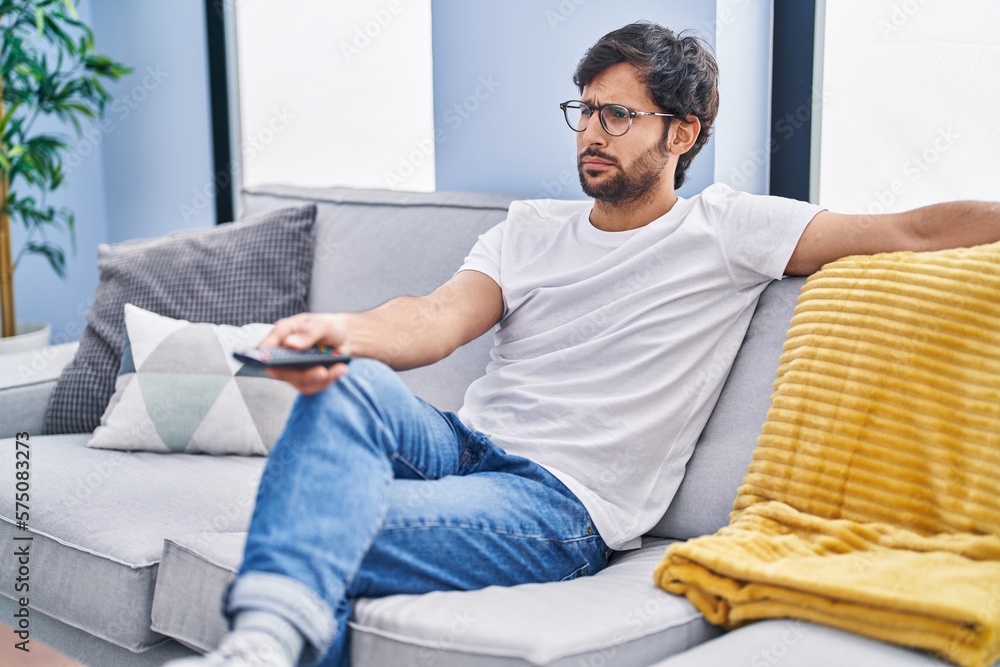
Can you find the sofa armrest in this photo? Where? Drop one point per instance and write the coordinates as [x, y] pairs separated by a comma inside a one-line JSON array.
[[27, 380]]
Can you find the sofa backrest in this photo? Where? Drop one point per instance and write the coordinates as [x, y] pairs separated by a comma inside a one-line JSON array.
[[716, 469], [374, 245]]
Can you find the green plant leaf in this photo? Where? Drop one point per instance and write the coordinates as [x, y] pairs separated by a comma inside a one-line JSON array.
[[8, 114], [27, 212], [52, 26], [80, 108], [30, 217], [71, 229], [71, 9], [56, 177], [49, 68], [53, 253], [106, 67], [73, 119]]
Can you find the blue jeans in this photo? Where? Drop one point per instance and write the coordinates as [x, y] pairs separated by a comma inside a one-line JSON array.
[[371, 491]]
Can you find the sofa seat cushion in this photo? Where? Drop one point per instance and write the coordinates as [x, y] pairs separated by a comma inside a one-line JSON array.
[[795, 643], [98, 519], [614, 617]]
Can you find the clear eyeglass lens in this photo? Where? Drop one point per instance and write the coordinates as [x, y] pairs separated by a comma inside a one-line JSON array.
[[577, 116], [616, 119]]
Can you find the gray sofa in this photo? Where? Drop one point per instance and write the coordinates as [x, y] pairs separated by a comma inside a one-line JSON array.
[[132, 550]]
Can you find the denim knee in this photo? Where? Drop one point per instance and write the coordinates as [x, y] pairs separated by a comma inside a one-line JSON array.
[[369, 383], [377, 380], [368, 377], [372, 371]]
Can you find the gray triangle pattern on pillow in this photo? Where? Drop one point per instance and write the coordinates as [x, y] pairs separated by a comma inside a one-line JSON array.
[[178, 403], [194, 348], [268, 406], [127, 365], [182, 391]]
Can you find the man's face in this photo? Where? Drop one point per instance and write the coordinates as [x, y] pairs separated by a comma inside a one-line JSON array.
[[631, 167]]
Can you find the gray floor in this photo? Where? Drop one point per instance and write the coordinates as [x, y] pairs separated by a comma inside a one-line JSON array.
[[88, 649]]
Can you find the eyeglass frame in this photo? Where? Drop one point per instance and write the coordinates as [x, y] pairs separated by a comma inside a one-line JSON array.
[[600, 115]]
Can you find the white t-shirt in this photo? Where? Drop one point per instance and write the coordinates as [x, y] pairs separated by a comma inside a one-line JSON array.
[[613, 346]]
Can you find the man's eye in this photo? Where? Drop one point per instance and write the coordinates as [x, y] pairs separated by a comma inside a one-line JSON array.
[[619, 113], [585, 111]]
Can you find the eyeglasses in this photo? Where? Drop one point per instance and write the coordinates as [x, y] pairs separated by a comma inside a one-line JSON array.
[[616, 119]]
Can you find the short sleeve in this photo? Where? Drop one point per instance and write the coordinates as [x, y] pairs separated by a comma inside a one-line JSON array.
[[485, 254], [758, 233]]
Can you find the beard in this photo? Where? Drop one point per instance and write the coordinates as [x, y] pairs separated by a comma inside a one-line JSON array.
[[626, 188]]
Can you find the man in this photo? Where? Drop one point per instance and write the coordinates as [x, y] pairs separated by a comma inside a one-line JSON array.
[[619, 318]]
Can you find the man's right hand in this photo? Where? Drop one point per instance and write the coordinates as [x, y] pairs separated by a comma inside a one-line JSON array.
[[405, 332], [300, 332]]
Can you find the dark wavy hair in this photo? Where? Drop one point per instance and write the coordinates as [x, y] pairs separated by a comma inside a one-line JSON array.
[[680, 70]]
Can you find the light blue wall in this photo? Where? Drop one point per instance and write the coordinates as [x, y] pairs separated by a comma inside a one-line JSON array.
[[507, 66], [743, 127], [129, 176], [158, 158]]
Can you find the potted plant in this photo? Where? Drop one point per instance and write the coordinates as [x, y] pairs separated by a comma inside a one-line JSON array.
[[48, 67]]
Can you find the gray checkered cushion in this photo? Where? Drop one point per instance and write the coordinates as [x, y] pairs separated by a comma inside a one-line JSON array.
[[255, 270]]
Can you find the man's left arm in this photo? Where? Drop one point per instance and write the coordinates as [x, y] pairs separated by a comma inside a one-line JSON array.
[[830, 236]]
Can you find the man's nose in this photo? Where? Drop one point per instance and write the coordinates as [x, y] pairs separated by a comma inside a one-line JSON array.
[[594, 133]]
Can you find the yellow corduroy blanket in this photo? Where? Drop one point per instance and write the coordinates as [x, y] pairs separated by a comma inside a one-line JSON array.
[[872, 502]]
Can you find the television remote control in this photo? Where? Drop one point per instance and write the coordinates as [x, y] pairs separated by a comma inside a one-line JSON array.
[[283, 357]]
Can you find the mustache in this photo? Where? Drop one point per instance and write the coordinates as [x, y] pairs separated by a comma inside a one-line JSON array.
[[593, 152]]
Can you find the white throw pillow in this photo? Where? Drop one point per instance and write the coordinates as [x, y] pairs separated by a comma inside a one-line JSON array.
[[179, 389]]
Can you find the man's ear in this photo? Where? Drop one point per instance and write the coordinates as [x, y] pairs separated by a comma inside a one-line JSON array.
[[683, 134]]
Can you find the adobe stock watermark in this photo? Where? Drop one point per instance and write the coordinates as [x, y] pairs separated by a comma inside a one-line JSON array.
[[89, 481], [726, 17], [36, 364], [899, 16], [914, 167], [448, 638], [221, 6], [986, 616], [202, 197], [122, 107], [455, 117], [552, 189], [772, 654], [364, 34], [637, 620], [786, 128], [562, 12]]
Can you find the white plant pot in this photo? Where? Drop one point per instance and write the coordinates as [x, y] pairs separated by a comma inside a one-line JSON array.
[[29, 336]]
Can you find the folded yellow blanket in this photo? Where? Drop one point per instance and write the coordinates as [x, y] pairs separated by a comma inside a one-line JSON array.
[[872, 502]]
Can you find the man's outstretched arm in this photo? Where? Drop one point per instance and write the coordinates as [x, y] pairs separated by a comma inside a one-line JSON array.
[[830, 236], [404, 332]]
